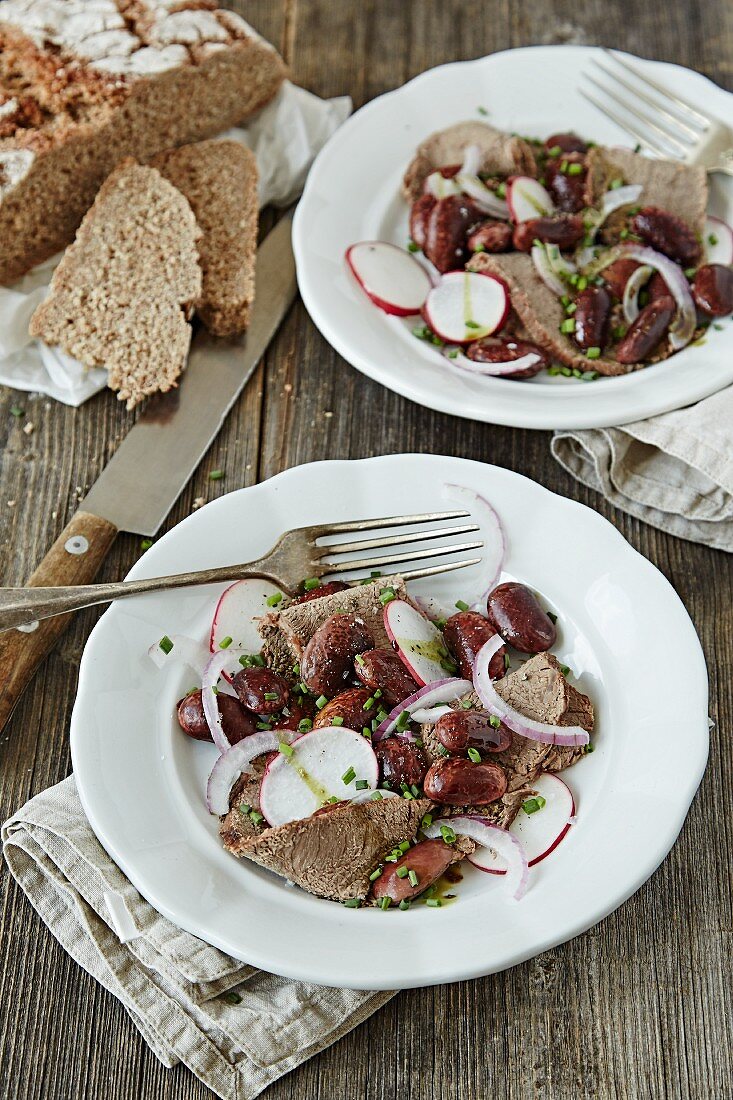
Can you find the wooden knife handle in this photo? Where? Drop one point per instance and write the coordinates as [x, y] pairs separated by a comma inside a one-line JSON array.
[[74, 558]]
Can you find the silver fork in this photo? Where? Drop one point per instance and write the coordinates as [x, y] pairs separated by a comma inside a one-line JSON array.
[[676, 131], [296, 556]]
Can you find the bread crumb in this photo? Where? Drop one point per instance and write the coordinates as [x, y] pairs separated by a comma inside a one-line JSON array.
[[328, 414], [198, 503], [28, 427]]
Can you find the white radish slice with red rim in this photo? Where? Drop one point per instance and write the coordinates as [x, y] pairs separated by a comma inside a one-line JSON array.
[[489, 837], [391, 277], [238, 612], [236, 760], [527, 198], [717, 241], [492, 532], [466, 306], [538, 832], [419, 644], [324, 765]]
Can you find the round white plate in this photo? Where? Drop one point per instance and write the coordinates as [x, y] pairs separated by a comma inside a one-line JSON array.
[[622, 630], [353, 194]]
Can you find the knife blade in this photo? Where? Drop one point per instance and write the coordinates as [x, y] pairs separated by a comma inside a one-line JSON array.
[[141, 483]]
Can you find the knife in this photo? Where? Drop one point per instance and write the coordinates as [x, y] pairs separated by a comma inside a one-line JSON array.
[[141, 483]]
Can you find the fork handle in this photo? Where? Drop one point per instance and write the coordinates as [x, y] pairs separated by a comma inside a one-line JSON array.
[[74, 558]]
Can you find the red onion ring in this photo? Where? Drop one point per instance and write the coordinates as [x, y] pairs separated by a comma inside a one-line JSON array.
[[494, 536], [236, 760], [440, 691], [488, 835], [209, 680], [635, 282], [544, 732], [427, 716], [496, 370], [471, 160], [542, 266]]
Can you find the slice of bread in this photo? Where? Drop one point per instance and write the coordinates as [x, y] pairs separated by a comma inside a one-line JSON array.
[[122, 295], [219, 179]]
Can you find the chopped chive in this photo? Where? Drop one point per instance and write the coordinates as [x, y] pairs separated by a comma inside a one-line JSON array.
[[501, 190], [225, 643], [447, 834], [16, 411], [461, 605], [285, 749], [412, 247], [418, 742], [575, 169], [231, 997], [472, 324], [264, 724], [352, 903], [475, 755], [310, 583], [589, 375], [359, 659], [375, 874], [712, 239], [555, 151], [361, 784], [582, 283], [570, 310], [552, 616], [565, 669], [304, 725], [378, 693], [507, 661], [348, 775], [245, 809], [427, 821], [386, 596], [690, 272], [532, 805], [271, 696], [334, 798], [376, 796], [412, 875], [590, 747], [165, 644], [368, 703], [434, 903], [402, 872], [593, 353], [476, 248], [566, 372], [404, 846], [404, 720], [408, 795], [216, 475], [466, 704], [443, 750], [145, 544], [415, 790], [615, 184], [564, 166], [258, 659], [321, 702], [366, 732], [385, 902], [568, 326], [274, 599], [482, 110], [256, 817], [404, 904]]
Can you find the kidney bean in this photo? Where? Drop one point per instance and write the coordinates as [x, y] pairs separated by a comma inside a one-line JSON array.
[[447, 227], [462, 729], [592, 313], [235, 720], [713, 290], [645, 333], [254, 685], [567, 188], [564, 231], [348, 705], [492, 350], [400, 762], [568, 143], [668, 234], [327, 661], [419, 212], [515, 613], [382, 669], [656, 287], [465, 633], [323, 590], [303, 706], [490, 236], [460, 782], [429, 860], [617, 275]]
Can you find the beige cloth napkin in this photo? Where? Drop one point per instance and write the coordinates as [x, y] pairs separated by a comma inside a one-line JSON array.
[[237, 1028], [674, 471]]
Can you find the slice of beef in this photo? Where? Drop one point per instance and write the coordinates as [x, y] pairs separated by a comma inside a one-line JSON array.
[[680, 189], [332, 853], [286, 633], [237, 826], [540, 691], [540, 310], [501, 154]]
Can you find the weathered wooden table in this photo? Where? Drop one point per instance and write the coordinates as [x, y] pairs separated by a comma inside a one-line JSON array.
[[639, 1006]]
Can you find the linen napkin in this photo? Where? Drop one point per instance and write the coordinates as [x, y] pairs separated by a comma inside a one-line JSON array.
[[237, 1028], [285, 137], [674, 471]]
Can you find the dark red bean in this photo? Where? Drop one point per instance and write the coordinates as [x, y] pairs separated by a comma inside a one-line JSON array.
[[400, 762], [328, 589], [515, 613], [713, 290], [327, 663], [460, 782], [465, 633], [568, 143], [490, 236], [382, 669], [447, 228], [261, 690], [419, 213], [349, 707], [567, 187], [493, 350], [564, 231], [302, 706], [656, 288], [462, 729], [429, 860], [668, 234], [617, 275], [592, 313], [646, 332], [235, 720]]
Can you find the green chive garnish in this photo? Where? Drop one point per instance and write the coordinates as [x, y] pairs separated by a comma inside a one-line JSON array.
[[271, 696], [352, 903], [568, 326], [565, 669], [427, 821], [256, 817], [593, 353], [555, 151], [384, 903], [434, 903], [615, 184], [412, 875], [376, 796], [575, 169], [348, 775], [321, 702], [310, 583], [461, 605], [16, 411], [225, 643], [447, 834], [216, 475], [285, 749], [404, 904], [304, 725], [474, 755], [145, 544], [274, 599], [402, 872], [412, 247], [165, 644], [386, 596], [361, 784]]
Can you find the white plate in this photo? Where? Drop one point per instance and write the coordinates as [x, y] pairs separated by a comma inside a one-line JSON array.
[[353, 194], [623, 631]]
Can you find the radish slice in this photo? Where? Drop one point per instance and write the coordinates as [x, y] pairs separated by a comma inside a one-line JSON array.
[[527, 198], [238, 612], [490, 836], [419, 643], [389, 276], [466, 306], [540, 832], [295, 785], [718, 241], [544, 732], [492, 532], [236, 760], [442, 691], [634, 283], [495, 370], [185, 649], [440, 187]]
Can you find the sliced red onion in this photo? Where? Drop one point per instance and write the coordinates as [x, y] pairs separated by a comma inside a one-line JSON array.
[[471, 160], [545, 272], [488, 835], [440, 691], [485, 199], [559, 264], [427, 716], [209, 680], [495, 370], [544, 732], [440, 187], [634, 283], [236, 760], [194, 654], [368, 796], [618, 197], [492, 531]]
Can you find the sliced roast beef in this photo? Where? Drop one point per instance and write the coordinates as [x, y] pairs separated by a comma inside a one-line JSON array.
[[286, 633], [680, 189], [501, 154], [540, 310], [332, 853], [238, 826]]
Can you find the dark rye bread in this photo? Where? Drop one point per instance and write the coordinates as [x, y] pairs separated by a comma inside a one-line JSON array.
[[501, 154], [82, 86], [541, 311], [219, 179], [122, 295]]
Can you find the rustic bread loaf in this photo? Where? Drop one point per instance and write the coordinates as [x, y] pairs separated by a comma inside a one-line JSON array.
[[122, 295], [86, 83], [219, 179]]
